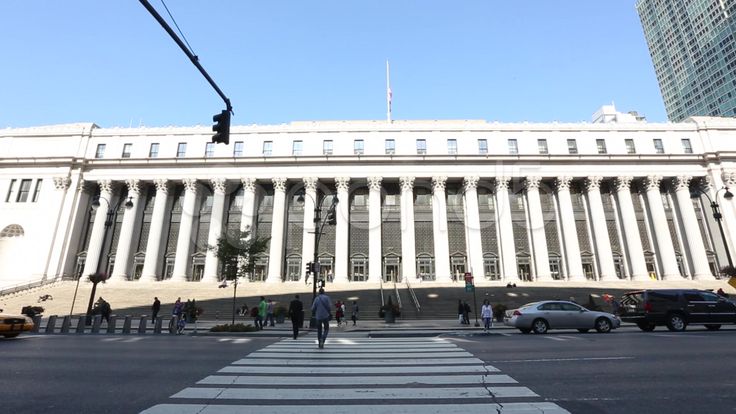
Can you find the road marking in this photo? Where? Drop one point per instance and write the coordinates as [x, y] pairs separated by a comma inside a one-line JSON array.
[[353, 347], [320, 369], [680, 335], [234, 340], [562, 359], [354, 380], [320, 355], [554, 338], [346, 361], [511, 408], [110, 339], [333, 394], [575, 338], [134, 339]]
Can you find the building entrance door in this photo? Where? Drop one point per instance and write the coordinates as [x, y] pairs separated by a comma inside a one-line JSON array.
[[391, 269]]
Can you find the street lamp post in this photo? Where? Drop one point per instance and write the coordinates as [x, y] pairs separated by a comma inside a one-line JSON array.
[[319, 226], [111, 217], [718, 216]]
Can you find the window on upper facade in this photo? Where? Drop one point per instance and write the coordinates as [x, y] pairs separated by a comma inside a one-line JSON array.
[[513, 147], [153, 151], [100, 151], [358, 147], [267, 148], [390, 146], [238, 149], [658, 146], [37, 190], [209, 150], [296, 147], [24, 190], [572, 146], [542, 146], [126, 150], [686, 146], [630, 147], [11, 191], [482, 146], [391, 200], [601, 144], [452, 146], [327, 147], [421, 146], [181, 150]]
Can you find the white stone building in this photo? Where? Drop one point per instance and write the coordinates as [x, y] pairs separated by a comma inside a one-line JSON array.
[[423, 201]]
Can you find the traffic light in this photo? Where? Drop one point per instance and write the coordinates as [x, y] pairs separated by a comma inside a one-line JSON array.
[[221, 127], [331, 218], [321, 283], [309, 267]]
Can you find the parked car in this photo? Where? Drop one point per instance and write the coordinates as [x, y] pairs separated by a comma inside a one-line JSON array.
[[557, 314], [13, 325], [676, 309]]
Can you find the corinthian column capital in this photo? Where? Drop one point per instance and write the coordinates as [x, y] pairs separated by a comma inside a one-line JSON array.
[[439, 183], [563, 183], [374, 183], [532, 182], [310, 183], [219, 185], [471, 182], [279, 183], [502, 183], [190, 184], [249, 184], [342, 183], [162, 185], [407, 183], [682, 182], [623, 183], [593, 183], [652, 182], [134, 186]]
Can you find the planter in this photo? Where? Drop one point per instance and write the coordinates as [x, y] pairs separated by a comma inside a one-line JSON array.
[[280, 318], [388, 317]]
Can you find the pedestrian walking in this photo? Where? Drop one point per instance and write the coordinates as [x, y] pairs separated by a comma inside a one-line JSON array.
[[486, 312], [262, 309], [176, 316], [322, 311], [466, 313], [338, 312], [460, 312], [296, 314], [354, 313], [155, 308], [269, 313], [104, 309]]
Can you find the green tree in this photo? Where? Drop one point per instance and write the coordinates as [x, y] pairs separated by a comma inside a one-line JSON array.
[[237, 251]]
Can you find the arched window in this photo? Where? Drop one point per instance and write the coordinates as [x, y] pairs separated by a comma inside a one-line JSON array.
[[12, 231]]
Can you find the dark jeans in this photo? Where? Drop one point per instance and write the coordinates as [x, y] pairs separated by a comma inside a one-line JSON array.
[[323, 327], [153, 318], [296, 323], [269, 319]]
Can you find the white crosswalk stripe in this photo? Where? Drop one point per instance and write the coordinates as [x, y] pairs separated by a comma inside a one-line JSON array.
[[358, 376]]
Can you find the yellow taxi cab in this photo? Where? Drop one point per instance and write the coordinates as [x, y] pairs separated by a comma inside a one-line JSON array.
[[13, 325]]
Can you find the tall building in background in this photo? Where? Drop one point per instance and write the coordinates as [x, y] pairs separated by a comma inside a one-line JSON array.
[[694, 53]]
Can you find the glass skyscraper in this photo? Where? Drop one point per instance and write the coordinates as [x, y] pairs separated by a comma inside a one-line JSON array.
[[694, 54]]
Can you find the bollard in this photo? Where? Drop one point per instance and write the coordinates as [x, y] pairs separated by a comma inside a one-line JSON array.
[[143, 324], [65, 324], [36, 324], [158, 324], [172, 325], [112, 324], [126, 324], [51, 324], [96, 322], [81, 324]]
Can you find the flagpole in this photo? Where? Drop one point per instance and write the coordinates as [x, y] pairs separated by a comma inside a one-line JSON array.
[[388, 94]]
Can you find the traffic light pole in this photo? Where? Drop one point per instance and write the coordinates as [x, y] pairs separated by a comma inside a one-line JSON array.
[[315, 259], [192, 57]]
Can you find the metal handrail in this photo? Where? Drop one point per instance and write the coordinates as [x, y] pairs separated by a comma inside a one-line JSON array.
[[413, 296], [380, 282], [25, 286], [398, 297]]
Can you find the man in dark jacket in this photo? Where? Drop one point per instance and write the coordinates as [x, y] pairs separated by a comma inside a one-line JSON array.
[[155, 309], [296, 314]]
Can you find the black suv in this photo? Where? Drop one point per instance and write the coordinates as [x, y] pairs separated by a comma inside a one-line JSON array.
[[676, 308]]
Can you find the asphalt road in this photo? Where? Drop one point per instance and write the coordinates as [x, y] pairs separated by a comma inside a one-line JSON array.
[[627, 371], [108, 374]]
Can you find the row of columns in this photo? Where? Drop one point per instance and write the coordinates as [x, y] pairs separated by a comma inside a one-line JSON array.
[[155, 243]]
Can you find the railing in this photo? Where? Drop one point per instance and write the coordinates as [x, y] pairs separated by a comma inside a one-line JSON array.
[[380, 281], [413, 296], [25, 286], [398, 296]]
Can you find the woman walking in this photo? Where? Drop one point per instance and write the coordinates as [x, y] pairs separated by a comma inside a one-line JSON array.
[[486, 312]]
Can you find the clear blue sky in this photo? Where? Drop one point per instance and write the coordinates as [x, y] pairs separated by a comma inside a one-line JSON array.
[[109, 62]]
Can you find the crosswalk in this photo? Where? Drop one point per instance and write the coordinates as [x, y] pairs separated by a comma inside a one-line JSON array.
[[357, 376]]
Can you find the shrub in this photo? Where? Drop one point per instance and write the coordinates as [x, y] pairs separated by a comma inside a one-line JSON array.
[[729, 271], [279, 311], [238, 327], [394, 308], [499, 310], [32, 311]]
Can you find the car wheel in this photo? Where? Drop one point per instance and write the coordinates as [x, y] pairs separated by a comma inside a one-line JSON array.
[[583, 330], [13, 335], [540, 326], [676, 322], [712, 327], [603, 325], [646, 327], [525, 330]]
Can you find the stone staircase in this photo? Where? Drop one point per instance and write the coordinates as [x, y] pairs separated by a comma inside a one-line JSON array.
[[437, 301]]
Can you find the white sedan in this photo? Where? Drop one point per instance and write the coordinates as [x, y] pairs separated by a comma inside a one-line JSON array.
[[556, 314]]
